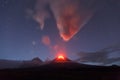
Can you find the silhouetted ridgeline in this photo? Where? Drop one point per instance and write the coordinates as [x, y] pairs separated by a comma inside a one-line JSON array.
[[62, 71]]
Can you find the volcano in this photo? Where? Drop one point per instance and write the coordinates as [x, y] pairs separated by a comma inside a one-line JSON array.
[[61, 59], [63, 62]]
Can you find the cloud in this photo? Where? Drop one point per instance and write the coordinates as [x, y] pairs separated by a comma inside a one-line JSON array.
[[101, 56]]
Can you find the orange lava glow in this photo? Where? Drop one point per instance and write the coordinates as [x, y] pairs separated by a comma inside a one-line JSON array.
[[46, 40], [61, 57]]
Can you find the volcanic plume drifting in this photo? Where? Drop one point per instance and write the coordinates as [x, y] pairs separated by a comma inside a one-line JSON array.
[[70, 15]]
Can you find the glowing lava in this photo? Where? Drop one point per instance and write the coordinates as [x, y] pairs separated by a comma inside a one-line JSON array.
[[61, 57]]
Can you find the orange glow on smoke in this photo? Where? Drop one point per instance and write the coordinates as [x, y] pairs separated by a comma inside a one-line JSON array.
[[68, 23], [46, 40]]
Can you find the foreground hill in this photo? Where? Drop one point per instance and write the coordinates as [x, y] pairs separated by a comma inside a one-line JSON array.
[[67, 70]]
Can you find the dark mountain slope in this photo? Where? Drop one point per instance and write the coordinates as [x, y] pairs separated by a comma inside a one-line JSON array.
[[65, 70]]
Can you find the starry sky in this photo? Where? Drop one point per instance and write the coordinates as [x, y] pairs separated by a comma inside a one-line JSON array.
[[22, 39]]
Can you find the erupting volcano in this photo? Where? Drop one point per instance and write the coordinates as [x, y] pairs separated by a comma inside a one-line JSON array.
[[61, 59]]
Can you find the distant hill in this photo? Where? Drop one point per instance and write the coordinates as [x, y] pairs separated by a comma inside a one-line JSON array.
[[6, 64], [31, 63]]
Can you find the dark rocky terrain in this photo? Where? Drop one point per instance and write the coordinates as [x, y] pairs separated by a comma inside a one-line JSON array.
[[67, 70]]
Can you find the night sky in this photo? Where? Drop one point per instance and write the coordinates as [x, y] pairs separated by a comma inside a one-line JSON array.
[[22, 39]]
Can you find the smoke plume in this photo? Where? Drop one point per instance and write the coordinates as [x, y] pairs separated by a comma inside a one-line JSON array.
[[56, 48], [70, 15]]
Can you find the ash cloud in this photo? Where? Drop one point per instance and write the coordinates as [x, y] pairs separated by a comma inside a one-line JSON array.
[[70, 15], [101, 56]]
